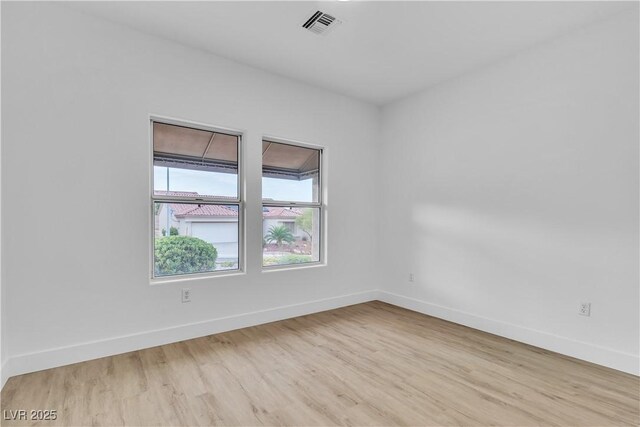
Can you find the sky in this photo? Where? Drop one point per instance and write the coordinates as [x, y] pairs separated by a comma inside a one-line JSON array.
[[224, 184]]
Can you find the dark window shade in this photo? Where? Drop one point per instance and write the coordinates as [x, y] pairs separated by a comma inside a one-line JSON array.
[[187, 148], [286, 161]]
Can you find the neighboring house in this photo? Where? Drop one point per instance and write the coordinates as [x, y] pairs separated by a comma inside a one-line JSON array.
[[274, 217], [215, 224], [218, 224]]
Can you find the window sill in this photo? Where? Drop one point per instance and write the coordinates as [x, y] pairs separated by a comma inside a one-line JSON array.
[[196, 276], [288, 267]]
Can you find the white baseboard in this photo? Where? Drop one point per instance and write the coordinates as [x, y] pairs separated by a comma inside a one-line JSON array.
[[625, 362], [4, 371], [51, 358]]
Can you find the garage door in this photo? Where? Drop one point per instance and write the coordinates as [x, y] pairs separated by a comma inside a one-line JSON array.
[[222, 235]]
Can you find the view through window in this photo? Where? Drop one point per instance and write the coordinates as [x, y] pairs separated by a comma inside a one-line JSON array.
[[292, 208], [196, 202]]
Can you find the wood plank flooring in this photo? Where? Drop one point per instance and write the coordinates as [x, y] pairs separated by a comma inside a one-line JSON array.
[[368, 364]]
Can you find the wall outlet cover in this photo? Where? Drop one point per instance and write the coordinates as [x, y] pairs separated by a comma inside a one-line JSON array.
[[186, 295], [584, 309]]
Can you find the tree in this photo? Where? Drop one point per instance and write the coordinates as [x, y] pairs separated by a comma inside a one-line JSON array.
[[279, 234], [183, 254], [173, 231], [305, 222]]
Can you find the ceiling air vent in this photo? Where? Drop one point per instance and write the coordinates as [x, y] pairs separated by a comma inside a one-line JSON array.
[[321, 23]]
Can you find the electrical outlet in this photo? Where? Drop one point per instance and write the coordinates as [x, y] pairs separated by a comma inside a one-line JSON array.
[[186, 295], [412, 278], [584, 309]]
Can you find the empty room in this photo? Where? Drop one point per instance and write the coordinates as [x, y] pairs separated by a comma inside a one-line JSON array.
[[297, 213]]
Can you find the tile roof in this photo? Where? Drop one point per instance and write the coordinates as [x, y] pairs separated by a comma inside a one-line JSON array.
[[272, 212], [194, 209], [205, 210], [181, 210]]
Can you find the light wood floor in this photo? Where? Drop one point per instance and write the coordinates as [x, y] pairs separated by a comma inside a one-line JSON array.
[[368, 364]]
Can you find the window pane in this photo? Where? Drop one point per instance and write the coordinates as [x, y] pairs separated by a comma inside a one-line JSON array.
[[290, 173], [194, 238], [194, 183], [290, 235], [194, 162]]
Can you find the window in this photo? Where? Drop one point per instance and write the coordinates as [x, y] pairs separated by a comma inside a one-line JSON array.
[[291, 204], [196, 200], [289, 225]]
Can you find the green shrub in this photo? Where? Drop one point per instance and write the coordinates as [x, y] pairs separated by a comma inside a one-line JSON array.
[[286, 259], [173, 231], [183, 254]]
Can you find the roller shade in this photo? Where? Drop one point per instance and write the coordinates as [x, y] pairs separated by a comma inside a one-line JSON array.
[[286, 161], [186, 148]]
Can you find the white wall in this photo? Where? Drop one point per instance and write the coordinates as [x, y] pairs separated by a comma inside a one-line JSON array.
[[512, 194], [77, 94]]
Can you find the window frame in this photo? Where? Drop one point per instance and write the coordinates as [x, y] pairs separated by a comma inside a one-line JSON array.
[[203, 200], [319, 204]]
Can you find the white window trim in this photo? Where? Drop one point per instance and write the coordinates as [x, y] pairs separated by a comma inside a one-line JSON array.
[[240, 201], [320, 204]]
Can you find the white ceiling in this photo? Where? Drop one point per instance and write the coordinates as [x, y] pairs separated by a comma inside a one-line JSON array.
[[383, 50]]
